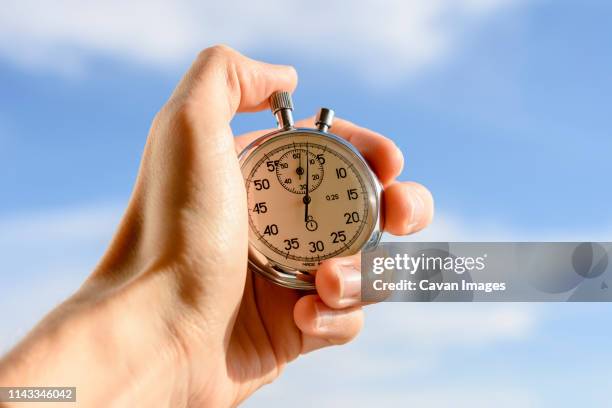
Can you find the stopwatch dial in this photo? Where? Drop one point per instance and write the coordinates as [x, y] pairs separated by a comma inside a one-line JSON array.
[[292, 169], [296, 229]]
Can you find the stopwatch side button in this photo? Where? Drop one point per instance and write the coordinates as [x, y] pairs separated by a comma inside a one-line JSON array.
[[324, 119], [281, 106]]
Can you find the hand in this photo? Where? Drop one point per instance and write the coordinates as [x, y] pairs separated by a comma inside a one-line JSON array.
[[172, 316]]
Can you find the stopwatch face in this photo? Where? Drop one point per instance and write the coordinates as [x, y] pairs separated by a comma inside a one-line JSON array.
[[310, 196]]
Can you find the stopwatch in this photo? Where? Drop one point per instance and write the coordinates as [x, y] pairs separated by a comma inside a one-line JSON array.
[[311, 196]]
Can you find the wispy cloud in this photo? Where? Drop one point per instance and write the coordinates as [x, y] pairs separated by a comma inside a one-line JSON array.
[[399, 358], [71, 225], [450, 227], [408, 35], [479, 395], [45, 256]]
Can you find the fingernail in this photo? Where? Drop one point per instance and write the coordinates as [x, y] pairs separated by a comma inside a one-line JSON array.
[[324, 317], [350, 277], [418, 207]]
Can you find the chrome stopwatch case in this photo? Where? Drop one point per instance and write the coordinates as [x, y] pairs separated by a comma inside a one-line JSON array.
[[311, 196]]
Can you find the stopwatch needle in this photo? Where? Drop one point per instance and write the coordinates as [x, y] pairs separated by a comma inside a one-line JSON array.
[[307, 196]]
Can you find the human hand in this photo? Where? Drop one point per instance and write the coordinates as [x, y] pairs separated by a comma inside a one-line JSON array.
[[172, 310]]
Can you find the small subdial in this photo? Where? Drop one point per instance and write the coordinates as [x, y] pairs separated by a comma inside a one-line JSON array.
[[292, 170]]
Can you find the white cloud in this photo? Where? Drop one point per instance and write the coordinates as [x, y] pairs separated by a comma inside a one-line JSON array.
[[57, 226], [472, 396], [45, 257], [449, 227], [393, 37], [63, 245], [47, 254], [399, 358], [467, 325]]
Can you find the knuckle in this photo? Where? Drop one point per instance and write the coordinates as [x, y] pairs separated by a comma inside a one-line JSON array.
[[216, 52], [178, 118], [185, 115], [223, 63]]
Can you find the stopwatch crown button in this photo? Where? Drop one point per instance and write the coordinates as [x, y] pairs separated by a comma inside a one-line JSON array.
[[324, 119], [280, 100], [281, 106]]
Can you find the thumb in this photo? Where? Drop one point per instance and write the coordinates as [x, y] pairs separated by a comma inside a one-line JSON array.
[[194, 126], [191, 144], [191, 136], [222, 82], [190, 185]]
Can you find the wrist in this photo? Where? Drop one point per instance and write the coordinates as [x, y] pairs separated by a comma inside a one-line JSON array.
[[114, 348]]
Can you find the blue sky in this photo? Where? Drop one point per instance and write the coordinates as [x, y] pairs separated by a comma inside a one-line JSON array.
[[501, 108], [510, 126]]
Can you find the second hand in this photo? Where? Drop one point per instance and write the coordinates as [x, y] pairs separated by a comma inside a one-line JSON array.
[[307, 196]]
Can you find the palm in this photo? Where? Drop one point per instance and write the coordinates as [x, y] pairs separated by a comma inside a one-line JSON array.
[[264, 336]]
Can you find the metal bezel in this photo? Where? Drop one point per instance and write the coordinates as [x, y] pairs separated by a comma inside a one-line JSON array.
[[304, 280]]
